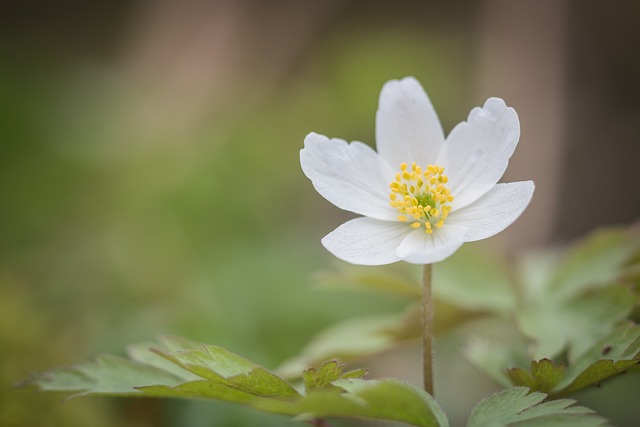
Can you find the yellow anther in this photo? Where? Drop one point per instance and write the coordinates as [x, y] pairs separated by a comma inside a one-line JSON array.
[[420, 196]]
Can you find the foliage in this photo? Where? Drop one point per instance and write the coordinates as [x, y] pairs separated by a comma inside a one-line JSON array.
[[179, 368], [519, 407], [570, 310]]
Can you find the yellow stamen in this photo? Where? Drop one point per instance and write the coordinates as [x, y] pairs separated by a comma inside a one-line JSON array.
[[421, 195]]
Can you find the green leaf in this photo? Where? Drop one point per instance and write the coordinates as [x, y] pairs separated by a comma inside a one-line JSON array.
[[393, 279], [376, 399], [571, 303], [220, 365], [597, 261], [181, 369], [544, 375], [476, 279], [493, 345], [108, 374], [328, 373], [610, 356], [575, 325], [353, 339], [518, 407]]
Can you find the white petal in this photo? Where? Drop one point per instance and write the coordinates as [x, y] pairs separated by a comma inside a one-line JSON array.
[[477, 151], [494, 211], [366, 241], [422, 248], [407, 127], [351, 176]]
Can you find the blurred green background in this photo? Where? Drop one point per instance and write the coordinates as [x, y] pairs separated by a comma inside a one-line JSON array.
[[150, 180]]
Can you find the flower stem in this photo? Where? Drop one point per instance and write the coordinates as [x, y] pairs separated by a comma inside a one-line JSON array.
[[427, 330]]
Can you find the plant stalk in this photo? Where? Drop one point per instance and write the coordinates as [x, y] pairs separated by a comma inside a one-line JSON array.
[[427, 330]]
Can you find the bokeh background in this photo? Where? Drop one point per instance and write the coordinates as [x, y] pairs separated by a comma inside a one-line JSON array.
[[150, 180]]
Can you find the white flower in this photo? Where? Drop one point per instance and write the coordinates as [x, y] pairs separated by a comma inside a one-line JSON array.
[[422, 196]]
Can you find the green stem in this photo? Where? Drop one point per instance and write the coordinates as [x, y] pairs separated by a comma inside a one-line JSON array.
[[427, 330]]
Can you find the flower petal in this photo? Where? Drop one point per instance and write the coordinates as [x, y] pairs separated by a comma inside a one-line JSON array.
[[366, 241], [351, 176], [422, 248], [494, 211], [477, 151], [407, 127]]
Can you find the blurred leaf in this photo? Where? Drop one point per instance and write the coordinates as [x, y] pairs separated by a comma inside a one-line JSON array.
[[231, 378], [377, 399], [393, 279], [476, 279], [576, 324], [353, 339], [518, 407], [492, 358], [571, 302], [598, 260], [567, 315], [107, 375], [611, 356], [493, 345]]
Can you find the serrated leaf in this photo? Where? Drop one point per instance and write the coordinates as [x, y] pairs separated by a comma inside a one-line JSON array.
[[317, 379], [610, 356], [220, 365], [348, 398], [328, 372], [142, 353], [225, 376], [354, 374], [108, 374], [518, 407], [543, 375], [575, 324], [376, 399], [570, 302]]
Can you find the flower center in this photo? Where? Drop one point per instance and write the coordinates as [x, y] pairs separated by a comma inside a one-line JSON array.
[[420, 196]]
